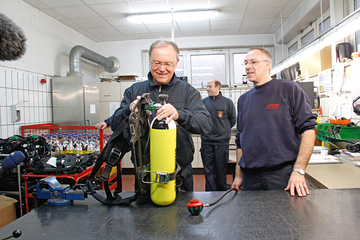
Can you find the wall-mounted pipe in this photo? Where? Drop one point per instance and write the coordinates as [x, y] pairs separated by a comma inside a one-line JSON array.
[[110, 64]]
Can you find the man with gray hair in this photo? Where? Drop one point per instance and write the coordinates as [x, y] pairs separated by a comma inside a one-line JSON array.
[[276, 131], [184, 104]]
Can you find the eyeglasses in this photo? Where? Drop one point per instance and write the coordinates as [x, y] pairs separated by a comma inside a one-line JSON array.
[[253, 62], [166, 65]]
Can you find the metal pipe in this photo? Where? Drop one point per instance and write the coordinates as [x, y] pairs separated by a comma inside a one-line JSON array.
[[110, 64]]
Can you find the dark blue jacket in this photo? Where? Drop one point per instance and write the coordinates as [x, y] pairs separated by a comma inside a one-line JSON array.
[[193, 116], [223, 115]]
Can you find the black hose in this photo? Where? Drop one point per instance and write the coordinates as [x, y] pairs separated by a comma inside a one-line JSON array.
[[231, 189]]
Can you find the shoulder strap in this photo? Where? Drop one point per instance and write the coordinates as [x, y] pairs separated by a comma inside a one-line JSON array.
[[109, 146]]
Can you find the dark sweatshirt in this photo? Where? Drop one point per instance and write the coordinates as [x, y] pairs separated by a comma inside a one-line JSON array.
[[271, 119]]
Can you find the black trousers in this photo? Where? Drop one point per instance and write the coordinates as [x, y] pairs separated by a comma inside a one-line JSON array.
[[272, 179], [215, 159]]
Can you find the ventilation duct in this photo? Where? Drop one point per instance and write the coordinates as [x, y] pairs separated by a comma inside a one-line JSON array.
[[110, 64], [75, 98]]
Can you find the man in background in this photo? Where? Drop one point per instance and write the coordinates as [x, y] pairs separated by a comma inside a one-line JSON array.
[[215, 145]]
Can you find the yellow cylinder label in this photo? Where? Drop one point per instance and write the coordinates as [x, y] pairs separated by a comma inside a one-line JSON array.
[[162, 159]]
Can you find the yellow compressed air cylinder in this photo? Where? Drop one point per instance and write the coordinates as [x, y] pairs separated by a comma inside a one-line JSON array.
[[162, 160]]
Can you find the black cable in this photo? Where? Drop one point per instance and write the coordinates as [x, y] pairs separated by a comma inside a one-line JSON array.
[[231, 189]]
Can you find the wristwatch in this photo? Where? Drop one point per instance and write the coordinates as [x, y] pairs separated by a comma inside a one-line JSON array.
[[299, 170]]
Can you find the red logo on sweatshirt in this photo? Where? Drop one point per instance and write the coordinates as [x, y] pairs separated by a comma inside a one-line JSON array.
[[272, 106], [220, 114]]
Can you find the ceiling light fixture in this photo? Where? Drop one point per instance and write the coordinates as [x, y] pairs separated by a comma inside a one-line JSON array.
[[178, 16]]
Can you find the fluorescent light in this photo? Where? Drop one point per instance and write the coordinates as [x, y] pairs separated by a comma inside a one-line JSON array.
[[178, 16], [347, 26]]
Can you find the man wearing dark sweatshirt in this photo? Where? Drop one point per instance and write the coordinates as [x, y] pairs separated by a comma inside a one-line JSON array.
[[276, 131], [215, 145]]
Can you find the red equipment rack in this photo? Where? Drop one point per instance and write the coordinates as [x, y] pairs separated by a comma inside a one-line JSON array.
[[48, 128]]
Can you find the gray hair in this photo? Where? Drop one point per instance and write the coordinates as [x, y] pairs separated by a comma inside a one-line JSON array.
[[164, 43], [265, 52]]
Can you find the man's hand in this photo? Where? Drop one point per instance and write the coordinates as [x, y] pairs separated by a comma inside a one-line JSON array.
[[167, 111], [297, 181], [237, 183], [101, 125], [133, 104]]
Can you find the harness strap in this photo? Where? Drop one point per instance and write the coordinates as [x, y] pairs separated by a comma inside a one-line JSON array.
[[161, 177], [112, 155], [110, 200], [103, 155], [58, 165], [113, 159]]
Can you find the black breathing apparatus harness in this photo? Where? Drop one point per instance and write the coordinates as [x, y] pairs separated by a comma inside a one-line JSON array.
[[133, 133]]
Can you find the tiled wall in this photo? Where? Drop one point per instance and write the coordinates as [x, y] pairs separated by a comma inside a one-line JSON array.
[[34, 99]]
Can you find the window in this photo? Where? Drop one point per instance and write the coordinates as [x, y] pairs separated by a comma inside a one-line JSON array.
[[357, 33], [307, 38], [239, 68], [179, 71], [293, 48], [324, 26], [207, 67]]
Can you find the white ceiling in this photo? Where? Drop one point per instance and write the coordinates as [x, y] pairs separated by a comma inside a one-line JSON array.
[[105, 20]]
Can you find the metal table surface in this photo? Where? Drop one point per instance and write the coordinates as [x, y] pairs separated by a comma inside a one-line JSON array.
[[324, 214]]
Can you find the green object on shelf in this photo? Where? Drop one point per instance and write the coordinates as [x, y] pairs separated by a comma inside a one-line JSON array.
[[335, 133], [323, 130]]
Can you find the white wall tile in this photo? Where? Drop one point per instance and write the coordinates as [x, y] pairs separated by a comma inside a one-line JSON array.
[[48, 99], [49, 114], [26, 81], [15, 96], [36, 115], [36, 98], [41, 101], [2, 77], [8, 115], [27, 115], [3, 115], [36, 83], [8, 78], [2, 96], [32, 114], [31, 82], [31, 98], [21, 80], [17, 129], [21, 96], [4, 132], [10, 131], [22, 115], [41, 114], [49, 85], [14, 79], [9, 101]]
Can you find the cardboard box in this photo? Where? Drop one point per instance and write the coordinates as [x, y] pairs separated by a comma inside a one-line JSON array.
[[7, 210], [317, 62], [127, 77]]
